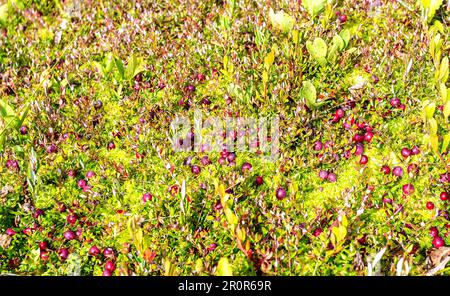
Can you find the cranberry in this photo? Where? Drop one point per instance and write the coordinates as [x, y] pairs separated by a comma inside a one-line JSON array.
[[395, 102], [415, 150], [111, 145], [90, 174], [195, 169], [44, 255], [38, 212], [434, 231], [51, 148], [408, 189], [28, 231], [406, 152], [438, 242], [317, 231], [69, 235], [430, 205], [81, 183], [280, 193], [72, 219], [109, 265], [246, 166], [364, 159], [340, 113], [397, 171], [10, 232], [259, 180], [63, 253], [43, 246], [147, 197], [342, 18], [368, 137], [443, 196], [94, 251], [108, 252], [205, 160], [71, 173], [358, 138], [323, 175], [23, 130], [318, 146], [332, 177], [200, 76], [385, 170]]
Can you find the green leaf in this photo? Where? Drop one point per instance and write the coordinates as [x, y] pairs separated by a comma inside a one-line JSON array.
[[345, 35], [120, 68], [282, 21], [437, 27], [313, 7], [6, 110], [317, 49], [308, 92], [21, 119], [224, 268], [339, 42], [135, 65], [4, 9], [431, 6]]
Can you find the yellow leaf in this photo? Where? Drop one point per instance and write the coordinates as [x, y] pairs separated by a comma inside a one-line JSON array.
[[169, 268], [443, 70], [447, 109], [443, 92], [265, 77], [224, 267], [434, 142], [295, 36], [433, 126], [268, 60]]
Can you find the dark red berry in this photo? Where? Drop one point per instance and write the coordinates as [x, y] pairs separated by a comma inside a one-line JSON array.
[[385, 170], [146, 197], [109, 265], [406, 152], [94, 251], [434, 231], [364, 159], [280, 193], [438, 242], [397, 171], [195, 169], [408, 189], [246, 166], [259, 180]]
